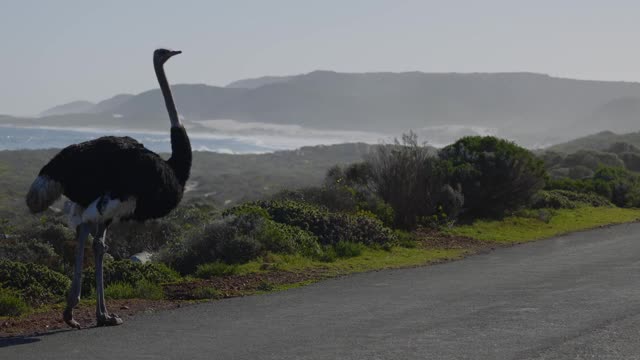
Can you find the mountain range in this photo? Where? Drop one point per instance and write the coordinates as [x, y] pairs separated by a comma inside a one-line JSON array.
[[516, 105]]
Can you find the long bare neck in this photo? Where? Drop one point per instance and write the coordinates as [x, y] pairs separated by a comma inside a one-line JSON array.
[[180, 160], [166, 93]]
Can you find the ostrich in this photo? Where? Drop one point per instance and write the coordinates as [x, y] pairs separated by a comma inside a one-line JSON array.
[[110, 179]]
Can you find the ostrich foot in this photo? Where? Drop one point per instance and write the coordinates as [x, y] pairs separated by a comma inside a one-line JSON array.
[[67, 316], [109, 320]]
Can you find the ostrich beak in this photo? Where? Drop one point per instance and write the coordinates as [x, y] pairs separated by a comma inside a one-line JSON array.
[[176, 52]]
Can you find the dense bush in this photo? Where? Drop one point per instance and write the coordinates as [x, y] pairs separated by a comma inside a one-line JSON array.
[[244, 233], [11, 304], [564, 199], [128, 238], [411, 180], [345, 189], [551, 199], [618, 185], [552, 159], [622, 147], [580, 172], [592, 159], [631, 160], [35, 283], [282, 238], [128, 272], [496, 175], [328, 227], [238, 249], [30, 250]]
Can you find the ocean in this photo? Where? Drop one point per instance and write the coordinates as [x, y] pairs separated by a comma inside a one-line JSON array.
[[17, 138], [228, 136]]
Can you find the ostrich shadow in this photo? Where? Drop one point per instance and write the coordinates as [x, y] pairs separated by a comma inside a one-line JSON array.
[[27, 339]]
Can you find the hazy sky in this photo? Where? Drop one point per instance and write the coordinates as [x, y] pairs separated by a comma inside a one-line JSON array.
[[59, 51]]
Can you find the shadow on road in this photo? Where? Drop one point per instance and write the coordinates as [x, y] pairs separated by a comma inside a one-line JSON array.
[[18, 340], [26, 339]]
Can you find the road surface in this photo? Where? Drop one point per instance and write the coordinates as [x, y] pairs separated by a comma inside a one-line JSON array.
[[571, 297]]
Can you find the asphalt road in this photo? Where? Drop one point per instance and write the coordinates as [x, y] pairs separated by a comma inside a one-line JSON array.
[[572, 297]]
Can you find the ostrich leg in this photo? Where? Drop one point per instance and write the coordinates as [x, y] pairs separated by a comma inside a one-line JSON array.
[[82, 232], [99, 248]]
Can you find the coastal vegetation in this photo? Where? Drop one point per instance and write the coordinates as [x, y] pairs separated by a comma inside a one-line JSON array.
[[290, 218]]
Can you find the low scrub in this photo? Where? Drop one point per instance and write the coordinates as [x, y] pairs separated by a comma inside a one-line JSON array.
[[143, 289], [206, 293], [11, 304], [565, 199], [129, 272], [218, 268], [328, 227], [528, 227], [36, 284], [346, 249]]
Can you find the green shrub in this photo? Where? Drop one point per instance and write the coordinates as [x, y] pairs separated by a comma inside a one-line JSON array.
[[623, 147], [406, 239], [346, 249], [565, 199], [128, 238], [412, 181], [206, 292], [328, 254], [30, 250], [328, 227], [11, 304], [544, 215], [119, 290], [35, 283], [619, 185], [631, 160], [496, 175], [592, 159], [143, 289], [551, 199], [247, 209], [551, 159], [282, 238], [580, 172], [128, 272], [239, 249], [265, 286], [207, 271]]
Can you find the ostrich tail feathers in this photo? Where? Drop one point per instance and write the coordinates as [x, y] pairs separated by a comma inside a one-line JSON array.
[[43, 192]]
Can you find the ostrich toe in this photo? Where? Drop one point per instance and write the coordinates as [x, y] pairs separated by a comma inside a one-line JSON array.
[[67, 316], [109, 320]]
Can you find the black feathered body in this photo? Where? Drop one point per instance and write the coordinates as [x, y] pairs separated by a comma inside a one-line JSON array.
[[121, 168]]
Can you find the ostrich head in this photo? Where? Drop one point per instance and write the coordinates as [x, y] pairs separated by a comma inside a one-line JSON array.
[[160, 56]]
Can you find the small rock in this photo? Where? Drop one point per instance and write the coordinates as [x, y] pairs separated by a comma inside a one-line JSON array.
[[124, 307], [141, 257]]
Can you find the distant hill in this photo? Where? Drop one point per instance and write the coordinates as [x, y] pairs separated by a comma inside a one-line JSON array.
[[87, 107], [111, 103], [258, 82], [527, 107], [74, 107], [600, 141]]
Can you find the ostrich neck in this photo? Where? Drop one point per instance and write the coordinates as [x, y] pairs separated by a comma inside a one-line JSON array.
[[180, 160], [166, 93]]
